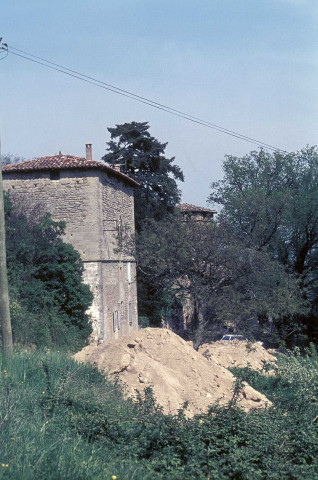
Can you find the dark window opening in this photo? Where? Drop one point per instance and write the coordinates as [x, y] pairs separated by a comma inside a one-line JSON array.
[[130, 310], [55, 175]]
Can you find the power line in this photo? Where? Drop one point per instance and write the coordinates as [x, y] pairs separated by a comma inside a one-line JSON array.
[[4, 49], [224, 130], [144, 100], [139, 98]]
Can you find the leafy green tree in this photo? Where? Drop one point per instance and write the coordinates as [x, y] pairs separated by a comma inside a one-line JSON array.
[[228, 284], [271, 201], [49, 300], [142, 157]]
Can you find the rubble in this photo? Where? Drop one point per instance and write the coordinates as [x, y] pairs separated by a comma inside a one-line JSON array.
[[178, 374]]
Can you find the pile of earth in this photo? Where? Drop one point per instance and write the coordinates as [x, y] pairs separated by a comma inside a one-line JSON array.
[[237, 353], [158, 358]]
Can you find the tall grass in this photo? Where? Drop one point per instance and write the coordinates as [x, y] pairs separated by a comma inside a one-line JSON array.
[[43, 399]]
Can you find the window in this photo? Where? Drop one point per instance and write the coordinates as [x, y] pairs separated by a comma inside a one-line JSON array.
[[130, 313], [129, 272], [118, 319], [114, 321], [55, 175], [120, 229]]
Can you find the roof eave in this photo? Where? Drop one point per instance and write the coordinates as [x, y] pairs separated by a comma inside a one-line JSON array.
[[104, 168]]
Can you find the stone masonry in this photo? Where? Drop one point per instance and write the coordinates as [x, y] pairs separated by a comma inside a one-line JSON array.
[[97, 204]]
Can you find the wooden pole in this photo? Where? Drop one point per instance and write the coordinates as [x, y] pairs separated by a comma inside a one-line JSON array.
[[4, 292]]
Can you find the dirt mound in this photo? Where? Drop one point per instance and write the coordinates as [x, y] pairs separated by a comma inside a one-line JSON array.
[[237, 354], [176, 372]]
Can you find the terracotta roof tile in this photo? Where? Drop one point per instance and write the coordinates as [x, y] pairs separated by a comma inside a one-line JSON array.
[[187, 207], [64, 162]]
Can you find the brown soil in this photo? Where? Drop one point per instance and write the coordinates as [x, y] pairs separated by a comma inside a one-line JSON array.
[[237, 354], [176, 372]]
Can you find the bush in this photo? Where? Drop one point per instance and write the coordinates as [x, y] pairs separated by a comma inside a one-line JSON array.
[[48, 298]]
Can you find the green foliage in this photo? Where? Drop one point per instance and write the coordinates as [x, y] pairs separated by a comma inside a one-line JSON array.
[[48, 297], [141, 156], [43, 399], [63, 420], [270, 200], [229, 283]]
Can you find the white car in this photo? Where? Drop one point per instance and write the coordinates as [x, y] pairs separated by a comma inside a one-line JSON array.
[[228, 338]]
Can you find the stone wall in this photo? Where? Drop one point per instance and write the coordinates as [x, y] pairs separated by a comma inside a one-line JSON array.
[[73, 198], [96, 207], [117, 214]]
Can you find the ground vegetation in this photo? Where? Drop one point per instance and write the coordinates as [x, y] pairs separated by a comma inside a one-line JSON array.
[[63, 420]]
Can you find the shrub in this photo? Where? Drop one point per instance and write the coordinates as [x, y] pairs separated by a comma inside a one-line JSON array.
[[49, 300]]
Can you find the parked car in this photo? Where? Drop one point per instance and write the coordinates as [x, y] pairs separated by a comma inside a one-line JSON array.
[[229, 337]]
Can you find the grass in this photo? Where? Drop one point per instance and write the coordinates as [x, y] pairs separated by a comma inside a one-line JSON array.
[[64, 420], [44, 396]]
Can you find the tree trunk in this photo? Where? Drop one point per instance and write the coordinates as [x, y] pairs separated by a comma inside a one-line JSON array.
[[4, 293]]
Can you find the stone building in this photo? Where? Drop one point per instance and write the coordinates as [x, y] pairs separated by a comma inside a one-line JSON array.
[[196, 214], [97, 204], [186, 313]]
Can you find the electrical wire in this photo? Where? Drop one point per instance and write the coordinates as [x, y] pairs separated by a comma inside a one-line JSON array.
[[139, 98], [224, 130], [4, 50], [144, 100]]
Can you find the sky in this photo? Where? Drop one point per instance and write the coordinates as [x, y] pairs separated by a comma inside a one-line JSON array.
[[247, 65]]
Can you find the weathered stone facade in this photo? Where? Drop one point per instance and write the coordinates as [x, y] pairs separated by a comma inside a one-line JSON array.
[[97, 204], [194, 213]]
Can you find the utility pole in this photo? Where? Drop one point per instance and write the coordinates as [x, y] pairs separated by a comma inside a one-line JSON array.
[[4, 292]]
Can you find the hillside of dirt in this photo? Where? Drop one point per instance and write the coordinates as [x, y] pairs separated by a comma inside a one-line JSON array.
[[237, 353], [176, 372]]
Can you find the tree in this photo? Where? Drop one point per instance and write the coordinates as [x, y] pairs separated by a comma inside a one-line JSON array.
[[229, 284], [8, 158], [141, 156], [271, 201], [49, 300]]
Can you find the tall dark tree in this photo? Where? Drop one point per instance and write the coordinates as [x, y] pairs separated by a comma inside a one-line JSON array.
[[142, 157]]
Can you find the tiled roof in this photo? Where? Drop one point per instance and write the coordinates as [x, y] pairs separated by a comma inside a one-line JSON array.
[[64, 162], [187, 207]]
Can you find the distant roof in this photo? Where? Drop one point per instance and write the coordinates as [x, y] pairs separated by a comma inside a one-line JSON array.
[[187, 207], [64, 162]]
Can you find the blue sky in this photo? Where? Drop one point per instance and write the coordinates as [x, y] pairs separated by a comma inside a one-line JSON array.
[[247, 65]]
